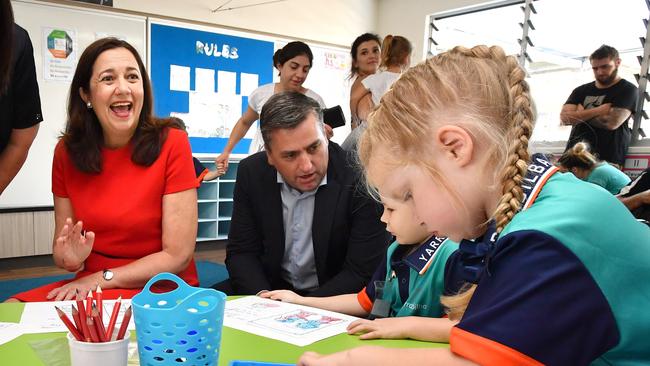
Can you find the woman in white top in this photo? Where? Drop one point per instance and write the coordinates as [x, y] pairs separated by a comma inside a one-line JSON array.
[[293, 62], [366, 55], [395, 58]]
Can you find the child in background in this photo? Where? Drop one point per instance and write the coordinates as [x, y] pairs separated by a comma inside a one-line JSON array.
[[408, 283], [584, 165], [548, 284], [395, 58], [203, 174]]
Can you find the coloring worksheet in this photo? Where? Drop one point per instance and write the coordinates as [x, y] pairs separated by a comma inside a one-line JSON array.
[[291, 323], [41, 317]]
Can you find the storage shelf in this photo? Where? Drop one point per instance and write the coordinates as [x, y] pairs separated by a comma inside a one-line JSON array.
[[215, 200], [208, 220], [207, 238]]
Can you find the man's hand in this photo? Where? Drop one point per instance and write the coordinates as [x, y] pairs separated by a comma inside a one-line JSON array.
[[282, 295]]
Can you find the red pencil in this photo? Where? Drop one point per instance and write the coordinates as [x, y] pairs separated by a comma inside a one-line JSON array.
[[69, 325], [111, 322], [125, 324], [77, 322], [89, 304], [92, 330], [99, 324], [99, 297], [82, 317]]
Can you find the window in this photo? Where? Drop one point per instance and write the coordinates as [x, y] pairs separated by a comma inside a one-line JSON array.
[[562, 36]]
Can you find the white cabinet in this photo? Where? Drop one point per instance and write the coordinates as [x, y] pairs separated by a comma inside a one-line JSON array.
[[215, 203]]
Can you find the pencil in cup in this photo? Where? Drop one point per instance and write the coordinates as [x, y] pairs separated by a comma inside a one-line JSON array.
[[73, 330], [82, 318], [99, 299], [113, 320], [125, 324], [92, 330], [99, 324]]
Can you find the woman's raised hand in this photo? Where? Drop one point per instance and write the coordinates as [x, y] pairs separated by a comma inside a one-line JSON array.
[[73, 245]]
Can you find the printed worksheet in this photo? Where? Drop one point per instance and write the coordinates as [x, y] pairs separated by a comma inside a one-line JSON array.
[[41, 317], [9, 331], [291, 323]]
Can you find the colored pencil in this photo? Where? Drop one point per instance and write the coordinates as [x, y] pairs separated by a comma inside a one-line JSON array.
[[99, 298], [93, 330], [82, 317], [78, 323], [99, 324], [125, 324], [89, 304], [111, 322], [69, 325]]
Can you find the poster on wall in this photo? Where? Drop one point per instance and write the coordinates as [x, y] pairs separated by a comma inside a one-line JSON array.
[[205, 78], [59, 54], [329, 77]]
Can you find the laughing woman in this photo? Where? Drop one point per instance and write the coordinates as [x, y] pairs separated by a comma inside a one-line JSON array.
[[123, 183]]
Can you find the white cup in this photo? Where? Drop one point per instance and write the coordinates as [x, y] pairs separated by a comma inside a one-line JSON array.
[[113, 353]]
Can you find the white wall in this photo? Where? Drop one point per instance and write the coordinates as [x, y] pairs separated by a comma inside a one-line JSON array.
[[331, 21], [408, 18]]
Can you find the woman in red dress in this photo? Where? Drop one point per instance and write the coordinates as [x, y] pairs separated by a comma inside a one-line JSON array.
[[123, 183]]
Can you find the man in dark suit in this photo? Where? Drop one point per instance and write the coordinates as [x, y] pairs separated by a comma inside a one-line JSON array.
[[301, 220]]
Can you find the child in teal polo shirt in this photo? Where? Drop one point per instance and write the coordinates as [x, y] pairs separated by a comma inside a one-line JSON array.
[[408, 282], [584, 165]]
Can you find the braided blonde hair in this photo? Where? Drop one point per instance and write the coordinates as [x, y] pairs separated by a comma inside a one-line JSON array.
[[480, 89]]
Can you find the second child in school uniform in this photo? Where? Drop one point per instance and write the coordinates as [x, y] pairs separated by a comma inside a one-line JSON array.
[[408, 283]]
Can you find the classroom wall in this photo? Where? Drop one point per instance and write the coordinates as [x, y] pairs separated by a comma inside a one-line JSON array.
[[408, 18], [331, 21]]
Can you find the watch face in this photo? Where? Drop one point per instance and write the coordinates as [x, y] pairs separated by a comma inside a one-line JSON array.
[[108, 275]]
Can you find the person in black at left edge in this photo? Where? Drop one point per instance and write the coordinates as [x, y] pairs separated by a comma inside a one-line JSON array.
[[20, 103]]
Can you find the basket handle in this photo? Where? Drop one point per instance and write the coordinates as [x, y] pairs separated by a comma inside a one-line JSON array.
[[165, 276], [203, 293]]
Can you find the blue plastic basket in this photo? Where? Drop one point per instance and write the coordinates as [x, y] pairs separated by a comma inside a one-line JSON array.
[[181, 327]]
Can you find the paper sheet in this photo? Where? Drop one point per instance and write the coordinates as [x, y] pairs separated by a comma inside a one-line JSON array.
[[9, 331], [291, 323], [179, 78], [249, 82], [41, 317]]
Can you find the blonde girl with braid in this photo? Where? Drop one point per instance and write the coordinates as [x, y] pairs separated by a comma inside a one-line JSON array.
[[546, 284]]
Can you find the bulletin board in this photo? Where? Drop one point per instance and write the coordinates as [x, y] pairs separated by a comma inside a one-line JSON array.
[[205, 74]]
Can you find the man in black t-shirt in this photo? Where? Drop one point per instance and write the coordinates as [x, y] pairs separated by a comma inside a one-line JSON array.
[[20, 105], [599, 110]]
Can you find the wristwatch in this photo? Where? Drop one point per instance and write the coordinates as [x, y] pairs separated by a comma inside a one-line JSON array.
[[107, 274]]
